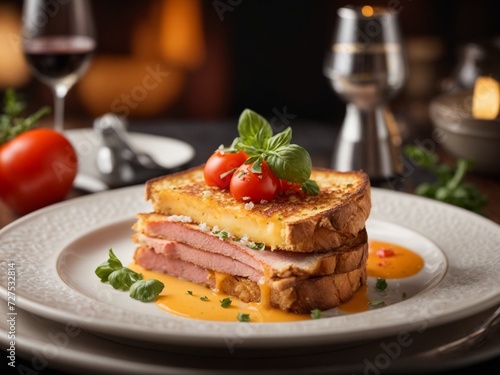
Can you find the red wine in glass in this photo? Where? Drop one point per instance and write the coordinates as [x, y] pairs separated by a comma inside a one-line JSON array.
[[59, 59]]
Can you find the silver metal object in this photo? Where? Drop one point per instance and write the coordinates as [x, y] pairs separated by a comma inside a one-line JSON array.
[[366, 67], [472, 340], [117, 161]]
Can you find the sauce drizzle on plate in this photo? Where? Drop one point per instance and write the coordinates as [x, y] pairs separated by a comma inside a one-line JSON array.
[[184, 298]]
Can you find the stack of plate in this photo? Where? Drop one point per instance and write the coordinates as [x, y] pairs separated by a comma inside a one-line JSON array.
[[67, 319]]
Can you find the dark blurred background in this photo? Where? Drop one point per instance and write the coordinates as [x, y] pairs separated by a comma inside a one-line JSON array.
[[217, 57]]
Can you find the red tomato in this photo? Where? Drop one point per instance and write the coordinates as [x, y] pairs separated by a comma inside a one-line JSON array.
[[220, 167], [248, 186], [37, 168], [384, 252], [287, 185]]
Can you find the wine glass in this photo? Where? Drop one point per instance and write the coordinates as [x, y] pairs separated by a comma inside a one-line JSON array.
[[366, 67], [58, 41]]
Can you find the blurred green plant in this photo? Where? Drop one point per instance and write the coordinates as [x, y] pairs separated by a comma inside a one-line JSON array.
[[11, 122], [448, 186]]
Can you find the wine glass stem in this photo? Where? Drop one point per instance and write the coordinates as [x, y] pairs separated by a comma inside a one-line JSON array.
[[60, 92]]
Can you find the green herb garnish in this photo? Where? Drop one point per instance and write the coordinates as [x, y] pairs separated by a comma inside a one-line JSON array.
[[448, 186], [190, 292], [123, 278], [257, 246], [376, 303], [225, 303], [288, 161], [11, 122], [222, 234], [204, 298], [243, 317], [146, 290], [316, 313], [381, 284]]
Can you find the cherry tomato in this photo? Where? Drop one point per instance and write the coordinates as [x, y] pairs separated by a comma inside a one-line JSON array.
[[220, 167], [287, 185], [249, 186], [37, 168]]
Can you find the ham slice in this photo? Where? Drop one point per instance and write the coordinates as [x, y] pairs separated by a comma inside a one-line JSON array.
[[192, 244]]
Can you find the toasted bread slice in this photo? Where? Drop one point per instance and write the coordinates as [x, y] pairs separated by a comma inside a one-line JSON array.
[[299, 295], [293, 221]]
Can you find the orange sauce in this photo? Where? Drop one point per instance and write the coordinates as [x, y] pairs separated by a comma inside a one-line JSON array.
[[176, 299], [184, 298], [358, 302], [403, 263]]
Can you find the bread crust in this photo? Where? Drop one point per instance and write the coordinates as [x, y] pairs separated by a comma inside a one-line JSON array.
[[299, 295]]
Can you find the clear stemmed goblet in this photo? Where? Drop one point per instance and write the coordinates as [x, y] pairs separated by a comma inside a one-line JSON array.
[[58, 41], [366, 66]]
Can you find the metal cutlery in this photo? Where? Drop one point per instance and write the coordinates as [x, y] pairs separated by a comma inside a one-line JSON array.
[[470, 341], [118, 163]]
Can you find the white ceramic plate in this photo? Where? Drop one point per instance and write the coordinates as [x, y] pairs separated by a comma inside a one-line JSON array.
[[57, 249], [42, 343], [168, 152]]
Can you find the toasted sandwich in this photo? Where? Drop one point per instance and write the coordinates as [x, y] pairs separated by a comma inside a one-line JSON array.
[[297, 252]]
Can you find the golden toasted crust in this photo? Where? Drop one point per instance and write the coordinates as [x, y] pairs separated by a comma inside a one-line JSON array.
[[300, 295], [293, 221]]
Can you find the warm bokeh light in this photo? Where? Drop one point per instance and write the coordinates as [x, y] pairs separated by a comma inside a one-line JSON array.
[[166, 44], [129, 87], [14, 71], [182, 41], [367, 11]]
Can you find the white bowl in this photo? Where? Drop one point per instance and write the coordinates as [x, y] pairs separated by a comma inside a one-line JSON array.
[[464, 136]]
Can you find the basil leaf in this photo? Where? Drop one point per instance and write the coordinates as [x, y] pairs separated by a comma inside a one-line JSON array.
[[310, 187], [103, 271], [279, 140], [123, 278], [291, 163], [146, 290], [106, 268], [113, 261], [257, 165], [251, 159], [254, 130]]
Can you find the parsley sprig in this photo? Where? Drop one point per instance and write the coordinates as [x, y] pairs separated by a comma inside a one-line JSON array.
[[315, 314], [381, 284], [123, 278], [11, 122], [288, 161], [243, 317], [225, 302], [448, 187]]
